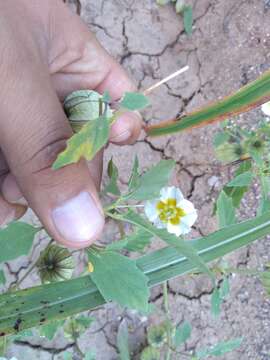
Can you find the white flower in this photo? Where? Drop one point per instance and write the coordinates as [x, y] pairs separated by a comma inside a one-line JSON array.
[[171, 211], [266, 108]]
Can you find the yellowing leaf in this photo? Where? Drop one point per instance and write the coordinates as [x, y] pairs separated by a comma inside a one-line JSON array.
[[86, 143]]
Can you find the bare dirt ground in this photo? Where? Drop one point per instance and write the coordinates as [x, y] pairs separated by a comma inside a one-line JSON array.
[[229, 47]]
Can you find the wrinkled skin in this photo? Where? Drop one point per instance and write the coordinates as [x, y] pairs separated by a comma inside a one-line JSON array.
[[46, 52]]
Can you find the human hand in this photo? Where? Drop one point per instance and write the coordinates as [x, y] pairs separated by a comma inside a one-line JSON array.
[[46, 53]]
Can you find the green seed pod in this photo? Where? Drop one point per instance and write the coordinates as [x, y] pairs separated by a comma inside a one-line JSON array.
[[229, 152], [83, 106], [55, 264], [157, 335]]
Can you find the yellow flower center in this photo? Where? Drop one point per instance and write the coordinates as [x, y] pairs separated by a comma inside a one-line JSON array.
[[169, 212], [90, 267]]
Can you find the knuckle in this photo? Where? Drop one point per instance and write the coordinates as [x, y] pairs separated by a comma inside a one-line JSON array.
[[40, 151]]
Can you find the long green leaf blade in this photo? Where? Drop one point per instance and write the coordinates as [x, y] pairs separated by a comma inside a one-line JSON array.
[[245, 99], [27, 308]]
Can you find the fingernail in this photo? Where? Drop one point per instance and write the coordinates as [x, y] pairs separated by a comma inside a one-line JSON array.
[[78, 219]]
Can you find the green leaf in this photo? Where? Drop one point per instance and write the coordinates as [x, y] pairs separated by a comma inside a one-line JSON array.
[[138, 240], [218, 296], [220, 138], [265, 279], [153, 180], [224, 289], [86, 143], [163, 2], [134, 101], [237, 193], [61, 300], [2, 277], [241, 180], [179, 244], [16, 240], [225, 210], [248, 97], [134, 179], [182, 334], [264, 206], [50, 329], [119, 279], [84, 322], [150, 353], [215, 302], [188, 19], [89, 355], [112, 187], [22, 335], [67, 355], [122, 342], [220, 349]]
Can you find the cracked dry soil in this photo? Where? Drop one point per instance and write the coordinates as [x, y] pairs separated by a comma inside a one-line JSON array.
[[229, 47]]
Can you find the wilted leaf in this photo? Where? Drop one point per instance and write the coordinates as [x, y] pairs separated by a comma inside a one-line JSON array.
[[86, 143], [16, 240], [134, 101], [119, 279]]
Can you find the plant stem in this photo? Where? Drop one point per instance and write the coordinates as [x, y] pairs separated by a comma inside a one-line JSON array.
[[167, 313]]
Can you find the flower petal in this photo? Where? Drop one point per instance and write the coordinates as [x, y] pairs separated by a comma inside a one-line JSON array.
[[189, 219], [150, 209], [159, 224], [266, 108], [187, 206], [174, 229], [171, 192]]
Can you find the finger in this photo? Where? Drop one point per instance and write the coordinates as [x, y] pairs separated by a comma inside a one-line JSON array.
[[11, 191], [94, 69], [8, 212], [65, 200]]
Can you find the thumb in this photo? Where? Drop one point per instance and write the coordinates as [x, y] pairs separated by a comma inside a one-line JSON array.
[[33, 130]]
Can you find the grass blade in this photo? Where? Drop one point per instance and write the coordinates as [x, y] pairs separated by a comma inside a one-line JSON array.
[[247, 98], [31, 307]]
